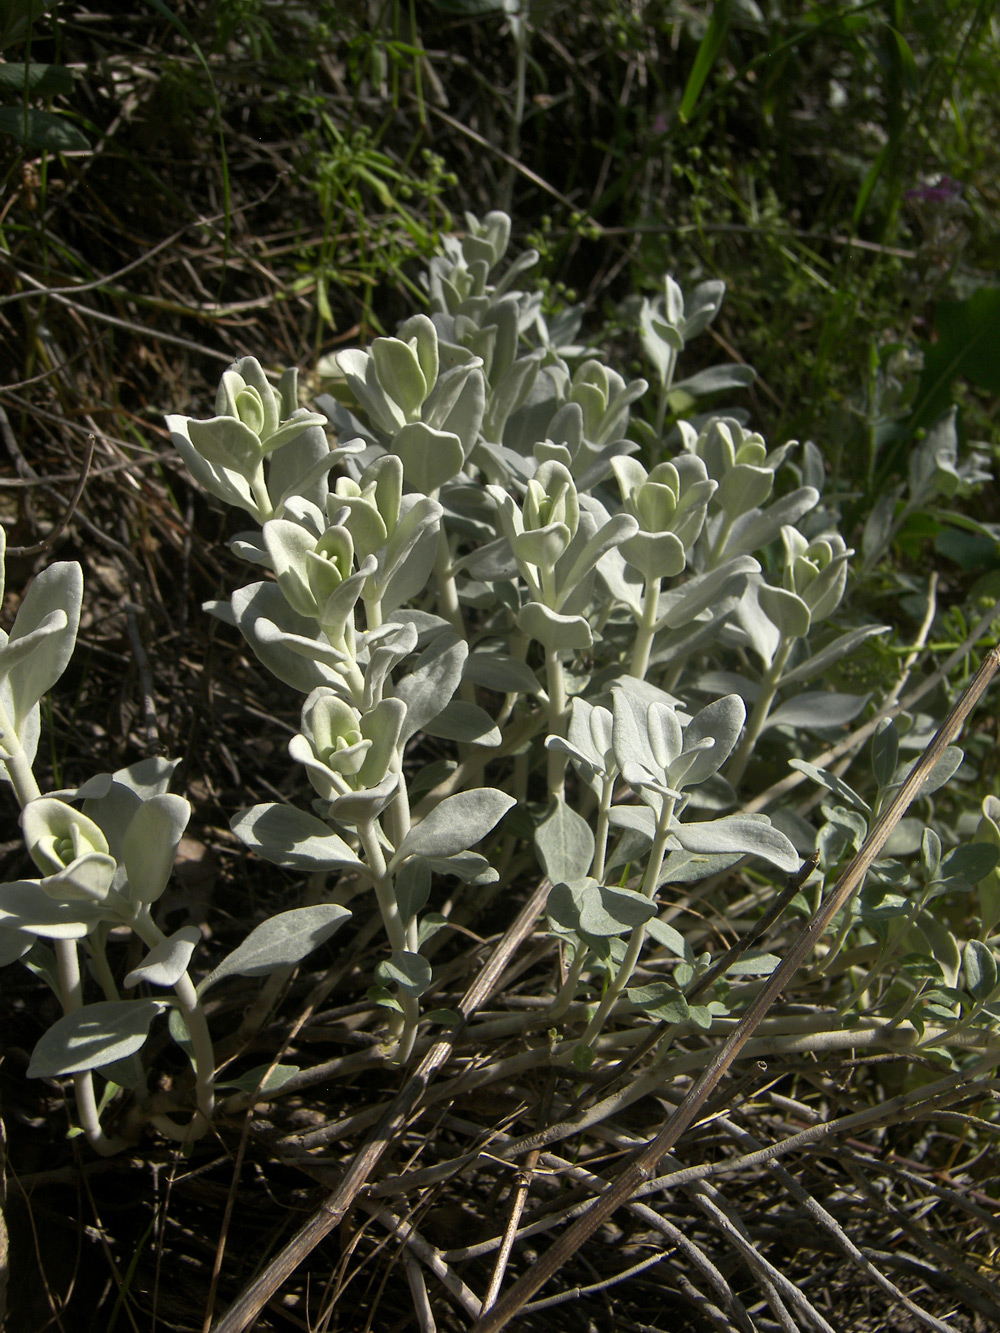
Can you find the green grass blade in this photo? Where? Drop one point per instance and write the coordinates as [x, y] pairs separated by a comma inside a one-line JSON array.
[[708, 51]]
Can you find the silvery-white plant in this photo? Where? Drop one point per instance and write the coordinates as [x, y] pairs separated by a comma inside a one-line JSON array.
[[483, 532], [464, 544], [105, 852]]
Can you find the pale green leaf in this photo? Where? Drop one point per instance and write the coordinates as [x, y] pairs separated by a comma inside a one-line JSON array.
[[456, 824], [290, 837], [660, 1001], [167, 961], [95, 1035], [150, 845], [47, 620], [275, 1079], [407, 972], [280, 941], [979, 967], [433, 681], [565, 844], [739, 833], [554, 631]]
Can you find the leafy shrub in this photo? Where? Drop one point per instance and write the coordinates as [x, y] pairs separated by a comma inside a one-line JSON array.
[[481, 558]]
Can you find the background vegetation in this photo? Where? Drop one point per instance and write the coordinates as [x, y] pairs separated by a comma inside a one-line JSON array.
[[184, 185]]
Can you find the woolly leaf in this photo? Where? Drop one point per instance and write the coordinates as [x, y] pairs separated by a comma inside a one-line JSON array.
[[456, 824], [739, 833], [292, 838], [150, 845], [280, 941], [95, 1035], [408, 972], [565, 844], [167, 962]]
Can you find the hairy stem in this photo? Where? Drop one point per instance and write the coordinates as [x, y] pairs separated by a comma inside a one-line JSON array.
[[385, 895], [762, 707], [555, 679], [642, 646], [201, 1040], [638, 937]]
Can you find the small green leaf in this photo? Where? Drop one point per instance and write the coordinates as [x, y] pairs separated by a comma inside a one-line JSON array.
[[446, 1018], [469, 867], [753, 965], [464, 722], [554, 631], [583, 1058], [226, 442], [785, 610], [818, 710], [930, 853], [942, 771], [178, 1029], [43, 637], [885, 751], [26, 907], [150, 844], [125, 1073], [432, 683], [969, 863], [38, 80], [429, 927], [739, 833], [669, 938], [708, 52], [727, 376], [429, 457], [502, 673], [384, 999], [832, 783], [14, 944], [413, 888], [399, 373], [589, 908]]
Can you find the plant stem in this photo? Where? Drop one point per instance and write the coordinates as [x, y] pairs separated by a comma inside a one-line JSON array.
[[447, 606], [761, 709], [638, 937], [601, 828], [395, 930], [564, 997], [201, 1040], [71, 995], [665, 383], [555, 680], [258, 488], [643, 644], [22, 779]]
